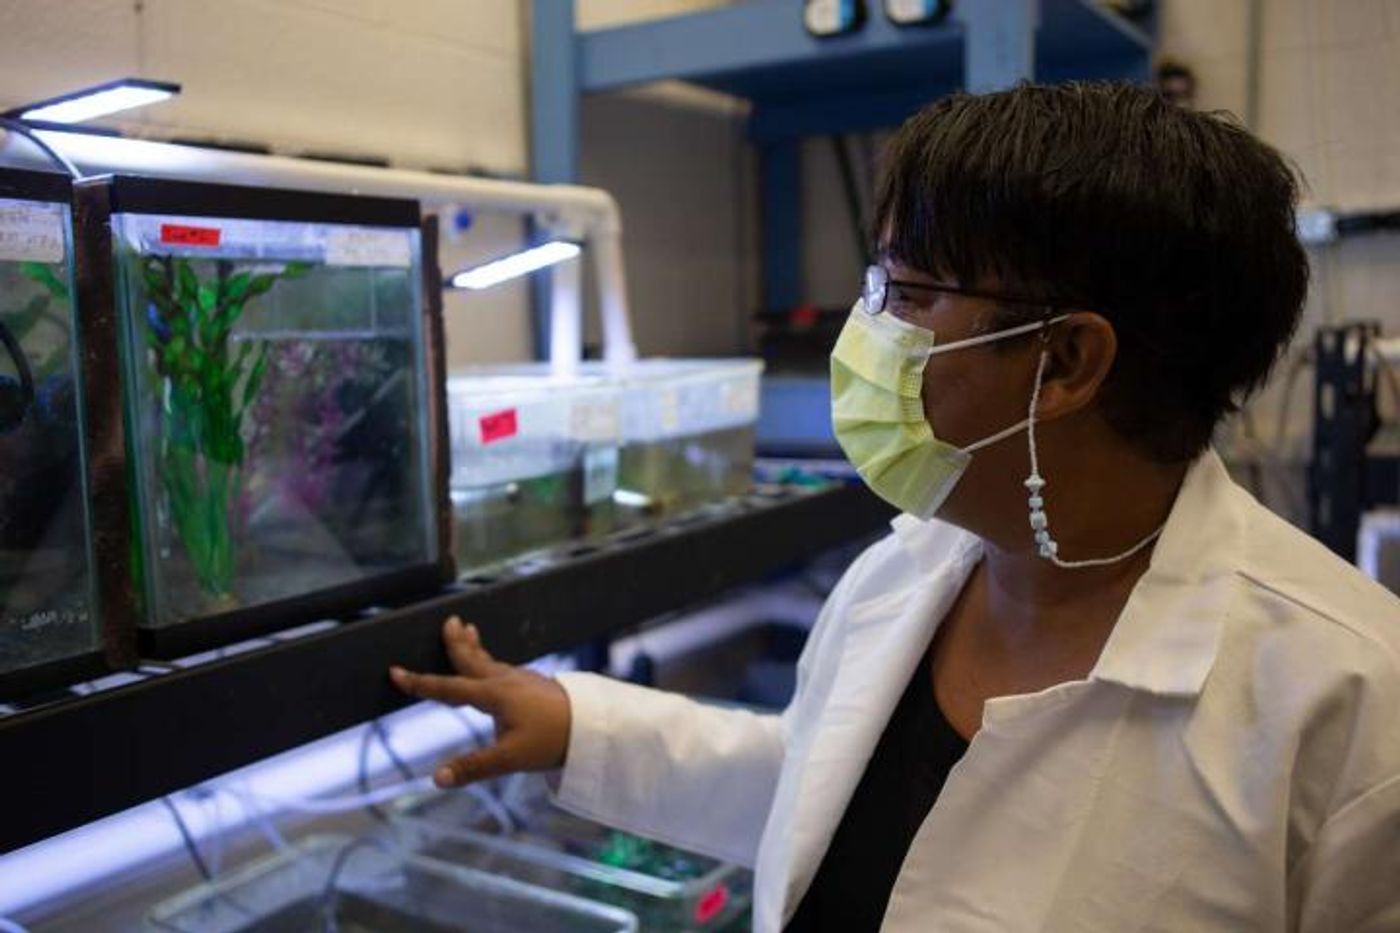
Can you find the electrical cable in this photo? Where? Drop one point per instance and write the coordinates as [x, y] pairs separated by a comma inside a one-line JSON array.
[[20, 129], [376, 730], [342, 857], [852, 191], [383, 735], [190, 846], [362, 778], [260, 816], [193, 849]]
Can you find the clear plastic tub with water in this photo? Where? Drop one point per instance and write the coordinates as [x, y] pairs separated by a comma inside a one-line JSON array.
[[534, 462], [333, 884], [687, 427], [688, 431], [531, 839]]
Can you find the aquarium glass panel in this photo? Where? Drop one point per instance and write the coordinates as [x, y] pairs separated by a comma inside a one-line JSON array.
[[276, 393], [47, 601]]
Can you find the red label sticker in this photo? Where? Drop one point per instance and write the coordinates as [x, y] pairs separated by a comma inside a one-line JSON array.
[[181, 235], [498, 426], [711, 905]]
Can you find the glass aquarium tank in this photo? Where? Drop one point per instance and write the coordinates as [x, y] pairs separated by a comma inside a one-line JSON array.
[[282, 441], [366, 885], [534, 462], [49, 629], [528, 838]]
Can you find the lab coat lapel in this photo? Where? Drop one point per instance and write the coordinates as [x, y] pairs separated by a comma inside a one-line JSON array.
[[884, 641]]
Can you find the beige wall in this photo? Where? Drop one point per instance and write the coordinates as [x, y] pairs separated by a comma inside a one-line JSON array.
[[1328, 80], [683, 173], [428, 83]]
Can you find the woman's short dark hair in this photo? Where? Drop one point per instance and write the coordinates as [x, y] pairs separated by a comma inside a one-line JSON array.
[[1176, 226]]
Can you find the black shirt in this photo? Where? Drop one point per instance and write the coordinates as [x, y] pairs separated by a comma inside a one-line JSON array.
[[902, 780]]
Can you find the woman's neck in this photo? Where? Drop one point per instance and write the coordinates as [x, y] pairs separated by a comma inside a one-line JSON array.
[[1099, 517]]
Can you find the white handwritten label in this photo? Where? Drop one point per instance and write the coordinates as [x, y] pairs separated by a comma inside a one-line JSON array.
[[357, 246], [669, 410], [594, 421], [31, 232]]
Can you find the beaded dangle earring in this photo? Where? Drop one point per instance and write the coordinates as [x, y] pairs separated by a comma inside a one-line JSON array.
[[1045, 544]]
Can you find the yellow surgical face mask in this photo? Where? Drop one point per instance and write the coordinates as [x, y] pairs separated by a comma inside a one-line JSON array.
[[877, 377]]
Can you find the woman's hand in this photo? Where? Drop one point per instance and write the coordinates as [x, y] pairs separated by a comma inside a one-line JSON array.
[[531, 711]]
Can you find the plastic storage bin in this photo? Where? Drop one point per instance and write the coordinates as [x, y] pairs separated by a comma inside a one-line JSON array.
[[275, 347], [688, 431], [668, 889], [49, 629], [534, 462], [355, 886]]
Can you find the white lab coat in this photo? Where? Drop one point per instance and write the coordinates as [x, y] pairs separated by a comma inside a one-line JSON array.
[[1231, 763]]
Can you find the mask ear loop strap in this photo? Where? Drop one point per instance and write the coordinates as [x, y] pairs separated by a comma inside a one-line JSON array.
[[1046, 545]]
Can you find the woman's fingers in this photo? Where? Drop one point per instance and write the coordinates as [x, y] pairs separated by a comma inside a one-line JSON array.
[[491, 761], [464, 647], [456, 691]]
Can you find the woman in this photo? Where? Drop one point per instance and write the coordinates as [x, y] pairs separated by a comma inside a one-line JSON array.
[[1088, 683]]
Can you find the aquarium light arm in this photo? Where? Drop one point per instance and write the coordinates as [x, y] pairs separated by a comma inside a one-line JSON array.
[[514, 265], [97, 101], [19, 128]]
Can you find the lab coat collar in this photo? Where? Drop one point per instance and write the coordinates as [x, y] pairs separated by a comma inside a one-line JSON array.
[[1167, 636]]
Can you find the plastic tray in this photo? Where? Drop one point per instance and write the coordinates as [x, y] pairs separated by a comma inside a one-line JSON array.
[[359, 886], [668, 889]]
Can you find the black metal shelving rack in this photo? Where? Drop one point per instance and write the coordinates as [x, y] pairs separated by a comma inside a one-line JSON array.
[[74, 760]]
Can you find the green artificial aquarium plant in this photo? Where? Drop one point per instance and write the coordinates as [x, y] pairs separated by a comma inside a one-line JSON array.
[[49, 307], [206, 389]]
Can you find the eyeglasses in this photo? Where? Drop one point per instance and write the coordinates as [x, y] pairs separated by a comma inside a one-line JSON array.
[[876, 292]]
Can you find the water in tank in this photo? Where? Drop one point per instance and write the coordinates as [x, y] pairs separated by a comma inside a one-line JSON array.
[[48, 614]]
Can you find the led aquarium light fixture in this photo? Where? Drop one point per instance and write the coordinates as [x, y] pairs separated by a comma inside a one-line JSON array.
[[516, 265], [97, 101]]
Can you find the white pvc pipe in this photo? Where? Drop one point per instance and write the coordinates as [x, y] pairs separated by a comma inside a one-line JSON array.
[[591, 211], [618, 348], [566, 319]]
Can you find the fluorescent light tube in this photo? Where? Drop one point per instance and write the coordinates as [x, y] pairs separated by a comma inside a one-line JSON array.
[[516, 265], [99, 101]]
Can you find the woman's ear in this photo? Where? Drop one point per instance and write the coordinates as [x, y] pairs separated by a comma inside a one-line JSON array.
[[1082, 350]]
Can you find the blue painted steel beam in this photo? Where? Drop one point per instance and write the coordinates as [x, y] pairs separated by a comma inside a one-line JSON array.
[[850, 113], [1000, 45], [554, 127], [732, 40], [554, 92], [780, 187], [758, 49]]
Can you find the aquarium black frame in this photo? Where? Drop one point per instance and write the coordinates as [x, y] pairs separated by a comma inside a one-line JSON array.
[[102, 197], [26, 185], [114, 648], [76, 761]]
